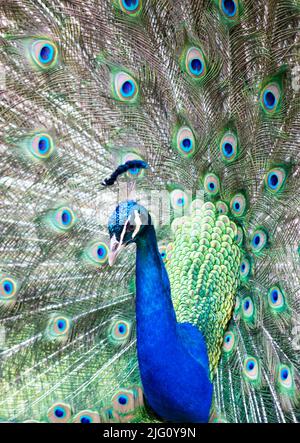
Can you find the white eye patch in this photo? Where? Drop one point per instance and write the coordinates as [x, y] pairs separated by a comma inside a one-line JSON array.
[[138, 223]]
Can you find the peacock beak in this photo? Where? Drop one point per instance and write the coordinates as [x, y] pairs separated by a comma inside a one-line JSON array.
[[114, 250]]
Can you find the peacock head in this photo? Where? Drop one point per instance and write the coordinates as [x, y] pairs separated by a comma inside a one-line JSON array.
[[125, 226]]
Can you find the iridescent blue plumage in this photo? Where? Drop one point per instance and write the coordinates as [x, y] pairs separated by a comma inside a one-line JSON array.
[[172, 356]]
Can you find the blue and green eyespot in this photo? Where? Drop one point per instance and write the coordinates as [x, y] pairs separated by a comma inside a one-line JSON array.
[[194, 63], [276, 299], [239, 238], [229, 8], [270, 97], [180, 200], [125, 87], [285, 379], [62, 219], [221, 207], [229, 147], [211, 184], [185, 141], [251, 369], [44, 53], [163, 252], [248, 309], [259, 240], [238, 205], [41, 146], [59, 413], [58, 327], [119, 331], [229, 342], [8, 288], [245, 268], [275, 180], [86, 417], [96, 253], [130, 7], [124, 401]]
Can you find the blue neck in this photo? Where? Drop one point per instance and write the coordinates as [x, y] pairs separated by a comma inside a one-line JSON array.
[[172, 356], [153, 291]]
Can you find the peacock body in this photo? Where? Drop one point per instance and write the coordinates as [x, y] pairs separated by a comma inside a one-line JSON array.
[[200, 319]]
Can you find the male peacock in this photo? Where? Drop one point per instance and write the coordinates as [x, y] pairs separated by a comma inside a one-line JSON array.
[[205, 93]]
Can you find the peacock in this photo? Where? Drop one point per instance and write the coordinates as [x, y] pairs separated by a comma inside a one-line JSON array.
[[149, 240]]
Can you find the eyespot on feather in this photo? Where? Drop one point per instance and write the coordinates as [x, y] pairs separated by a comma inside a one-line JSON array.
[[120, 331], [179, 200], [130, 7], [248, 309], [41, 146], [185, 141], [285, 378], [125, 87], [211, 184], [258, 240], [86, 417], [276, 299], [229, 8], [195, 64], [229, 147], [96, 253], [251, 369], [43, 53], [62, 219], [58, 328], [270, 97], [9, 287], [275, 180], [123, 401], [59, 413], [238, 205]]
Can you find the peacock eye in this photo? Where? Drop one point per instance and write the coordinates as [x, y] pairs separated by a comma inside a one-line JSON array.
[[44, 53], [221, 207], [185, 141], [130, 6], [195, 63], [59, 413], [251, 369], [130, 228], [285, 377], [229, 147], [238, 205], [228, 342], [212, 184], [259, 240], [275, 179], [125, 87], [270, 97], [41, 146], [245, 269], [97, 252], [229, 8], [239, 238], [63, 219], [179, 200], [276, 299], [248, 309], [86, 417], [58, 327], [119, 331]]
